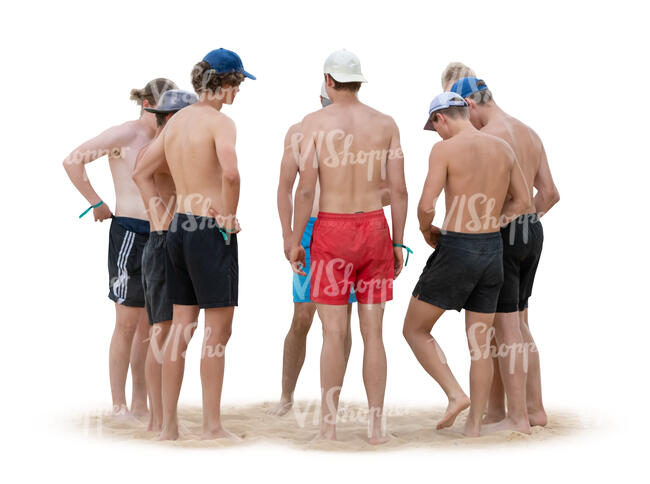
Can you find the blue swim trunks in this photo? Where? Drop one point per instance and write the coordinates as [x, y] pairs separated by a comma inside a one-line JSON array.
[[301, 285]]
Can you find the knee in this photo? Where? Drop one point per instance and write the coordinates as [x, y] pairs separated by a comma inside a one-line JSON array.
[[410, 332], [337, 334], [369, 330], [302, 319], [126, 326]]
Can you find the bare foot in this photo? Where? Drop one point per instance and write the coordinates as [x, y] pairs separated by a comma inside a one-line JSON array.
[[154, 426], [120, 411], [456, 405], [140, 414], [219, 433], [537, 418], [281, 408], [507, 424], [492, 416], [472, 429], [170, 433], [378, 439]]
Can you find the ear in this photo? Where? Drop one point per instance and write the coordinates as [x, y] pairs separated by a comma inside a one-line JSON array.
[[145, 103], [329, 81]]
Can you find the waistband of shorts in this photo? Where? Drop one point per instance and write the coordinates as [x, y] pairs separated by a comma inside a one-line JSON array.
[[352, 217], [448, 234], [190, 222], [158, 234], [527, 218], [136, 225]]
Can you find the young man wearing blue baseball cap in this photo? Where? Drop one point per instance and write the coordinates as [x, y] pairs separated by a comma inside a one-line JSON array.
[[128, 235], [523, 240], [202, 264], [465, 271], [351, 246], [154, 281]]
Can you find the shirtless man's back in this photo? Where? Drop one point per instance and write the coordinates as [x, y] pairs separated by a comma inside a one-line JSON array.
[[465, 270], [522, 247], [128, 235], [349, 147], [198, 144]]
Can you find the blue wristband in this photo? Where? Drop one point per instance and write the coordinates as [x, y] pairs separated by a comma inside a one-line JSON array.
[[408, 252], [90, 208]]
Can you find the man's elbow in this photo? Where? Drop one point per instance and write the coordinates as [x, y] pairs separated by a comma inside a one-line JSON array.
[[555, 197], [230, 177]]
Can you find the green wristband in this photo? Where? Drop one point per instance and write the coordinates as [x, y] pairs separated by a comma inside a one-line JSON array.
[[90, 208], [408, 252]]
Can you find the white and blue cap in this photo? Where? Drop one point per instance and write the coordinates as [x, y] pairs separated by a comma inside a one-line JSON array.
[[443, 101], [172, 101]]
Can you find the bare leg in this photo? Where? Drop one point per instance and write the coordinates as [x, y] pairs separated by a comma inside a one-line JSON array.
[[536, 412], [374, 368], [294, 354], [332, 365], [153, 372], [218, 327], [418, 323], [126, 322], [348, 338], [479, 334], [496, 407], [138, 358], [173, 367], [510, 345]]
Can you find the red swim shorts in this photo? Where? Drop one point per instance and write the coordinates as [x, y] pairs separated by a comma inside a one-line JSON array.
[[351, 251]]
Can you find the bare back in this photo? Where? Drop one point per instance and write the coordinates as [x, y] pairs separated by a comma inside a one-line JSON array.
[[128, 202], [478, 177], [192, 158], [352, 145], [526, 145]]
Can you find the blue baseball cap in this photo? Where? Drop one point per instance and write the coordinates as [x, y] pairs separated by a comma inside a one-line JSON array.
[[443, 101], [468, 86], [224, 61]]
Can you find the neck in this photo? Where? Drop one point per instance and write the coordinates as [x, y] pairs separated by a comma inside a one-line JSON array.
[[460, 125], [488, 112], [148, 120], [211, 99], [345, 97]]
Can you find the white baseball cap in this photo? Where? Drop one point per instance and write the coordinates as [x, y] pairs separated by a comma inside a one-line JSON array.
[[344, 66]]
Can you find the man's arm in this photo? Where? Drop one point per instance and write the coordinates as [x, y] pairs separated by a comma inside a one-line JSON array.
[[305, 193], [224, 141], [433, 185], [547, 193], [398, 194], [288, 173], [518, 197], [113, 140], [148, 161]]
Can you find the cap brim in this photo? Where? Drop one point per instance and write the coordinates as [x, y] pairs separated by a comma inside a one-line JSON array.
[[347, 77], [248, 74], [161, 111], [429, 125]]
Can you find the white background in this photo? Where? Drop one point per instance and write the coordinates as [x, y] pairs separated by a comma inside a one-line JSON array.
[[575, 71]]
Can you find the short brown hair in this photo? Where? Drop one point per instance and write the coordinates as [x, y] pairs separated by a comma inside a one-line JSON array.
[[455, 71], [453, 112], [345, 86], [152, 91], [204, 78], [481, 97]]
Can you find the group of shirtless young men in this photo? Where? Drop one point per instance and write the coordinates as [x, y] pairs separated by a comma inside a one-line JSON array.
[[173, 243]]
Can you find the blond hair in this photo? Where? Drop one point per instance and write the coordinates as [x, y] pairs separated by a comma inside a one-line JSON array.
[[453, 72]]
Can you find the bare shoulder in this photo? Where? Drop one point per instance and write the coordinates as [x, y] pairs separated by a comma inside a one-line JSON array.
[[293, 130], [124, 133], [500, 146]]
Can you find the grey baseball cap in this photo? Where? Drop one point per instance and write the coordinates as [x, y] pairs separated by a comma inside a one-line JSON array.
[[173, 100]]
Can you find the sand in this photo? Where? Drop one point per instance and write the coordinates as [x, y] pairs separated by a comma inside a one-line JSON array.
[[409, 427]]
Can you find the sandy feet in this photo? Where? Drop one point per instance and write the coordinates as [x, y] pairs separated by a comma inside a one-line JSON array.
[[492, 417], [538, 418], [456, 405], [506, 425], [281, 408], [219, 433]]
